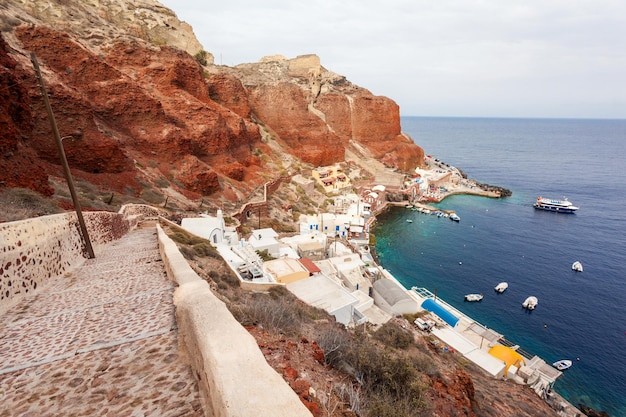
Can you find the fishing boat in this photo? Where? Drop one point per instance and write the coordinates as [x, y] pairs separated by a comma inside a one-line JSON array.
[[562, 365], [577, 266], [501, 287], [530, 303], [558, 206], [473, 297]]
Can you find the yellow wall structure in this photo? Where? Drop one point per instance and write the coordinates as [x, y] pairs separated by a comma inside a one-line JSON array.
[[508, 356], [286, 270]]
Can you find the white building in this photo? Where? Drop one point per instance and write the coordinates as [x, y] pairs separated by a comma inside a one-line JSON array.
[[265, 239], [323, 292], [211, 228]]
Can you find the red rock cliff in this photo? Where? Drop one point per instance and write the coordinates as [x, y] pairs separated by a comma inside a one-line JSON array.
[[137, 114]]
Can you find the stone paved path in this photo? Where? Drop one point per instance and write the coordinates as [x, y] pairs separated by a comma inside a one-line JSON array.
[[101, 341]]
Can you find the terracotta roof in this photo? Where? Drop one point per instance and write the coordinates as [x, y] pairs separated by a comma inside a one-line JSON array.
[[309, 265]]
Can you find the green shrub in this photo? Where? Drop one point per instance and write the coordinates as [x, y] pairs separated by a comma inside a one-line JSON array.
[[205, 249], [182, 236], [201, 57], [188, 253], [152, 196]]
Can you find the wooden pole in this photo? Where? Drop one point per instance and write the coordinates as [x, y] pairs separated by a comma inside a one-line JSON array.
[[66, 167]]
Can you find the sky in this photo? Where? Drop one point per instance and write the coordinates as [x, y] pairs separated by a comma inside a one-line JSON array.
[[449, 58]]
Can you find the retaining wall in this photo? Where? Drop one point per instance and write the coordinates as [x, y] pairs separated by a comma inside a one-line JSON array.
[[34, 250], [234, 378]]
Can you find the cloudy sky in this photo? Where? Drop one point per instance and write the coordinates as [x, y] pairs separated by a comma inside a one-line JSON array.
[[474, 58]]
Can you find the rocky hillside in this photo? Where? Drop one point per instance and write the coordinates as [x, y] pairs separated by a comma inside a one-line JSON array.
[[146, 114]]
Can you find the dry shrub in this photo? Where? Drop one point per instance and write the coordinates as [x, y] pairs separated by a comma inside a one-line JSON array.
[[22, 203], [393, 335], [278, 315], [393, 383], [335, 343]]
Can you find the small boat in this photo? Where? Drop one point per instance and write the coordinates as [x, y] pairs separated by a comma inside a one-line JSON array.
[[577, 266], [409, 221], [530, 303], [562, 365], [455, 217], [558, 206], [473, 297], [501, 287]]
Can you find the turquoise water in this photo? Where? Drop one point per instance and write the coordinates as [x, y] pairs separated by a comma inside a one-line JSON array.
[[580, 315]]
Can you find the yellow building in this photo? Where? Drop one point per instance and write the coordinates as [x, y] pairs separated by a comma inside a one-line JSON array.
[[331, 178]]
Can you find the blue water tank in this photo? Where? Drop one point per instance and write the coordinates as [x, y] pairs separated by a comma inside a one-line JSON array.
[[432, 306]]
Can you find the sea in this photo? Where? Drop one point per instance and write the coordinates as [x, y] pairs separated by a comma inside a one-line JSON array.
[[580, 316]]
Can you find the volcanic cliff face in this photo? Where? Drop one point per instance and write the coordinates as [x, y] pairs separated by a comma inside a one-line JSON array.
[[137, 110]]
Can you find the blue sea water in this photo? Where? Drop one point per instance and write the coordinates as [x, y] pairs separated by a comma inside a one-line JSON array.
[[580, 316]]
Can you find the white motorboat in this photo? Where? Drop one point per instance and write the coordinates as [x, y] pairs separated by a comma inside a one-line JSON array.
[[577, 266], [559, 206], [501, 287], [473, 297], [562, 365], [455, 217], [530, 303], [409, 221]]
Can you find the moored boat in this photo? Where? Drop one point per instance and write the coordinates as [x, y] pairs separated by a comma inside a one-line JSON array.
[[562, 365], [558, 206], [473, 297], [577, 266], [455, 217], [530, 303], [501, 287]]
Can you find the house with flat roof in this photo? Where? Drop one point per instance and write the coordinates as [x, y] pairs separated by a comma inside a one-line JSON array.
[[323, 292], [332, 178], [265, 239], [285, 270]]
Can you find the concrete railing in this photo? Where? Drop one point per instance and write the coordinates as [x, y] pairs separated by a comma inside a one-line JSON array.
[[233, 376]]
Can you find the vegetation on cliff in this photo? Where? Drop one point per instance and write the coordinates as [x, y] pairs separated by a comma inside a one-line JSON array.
[[389, 371]]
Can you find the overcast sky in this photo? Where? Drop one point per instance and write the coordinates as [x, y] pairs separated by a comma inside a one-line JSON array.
[[490, 58]]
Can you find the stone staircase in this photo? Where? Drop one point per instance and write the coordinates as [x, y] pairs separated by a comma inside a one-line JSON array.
[[102, 340]]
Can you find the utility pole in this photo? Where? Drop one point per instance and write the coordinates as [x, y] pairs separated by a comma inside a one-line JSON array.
[[66, 167]]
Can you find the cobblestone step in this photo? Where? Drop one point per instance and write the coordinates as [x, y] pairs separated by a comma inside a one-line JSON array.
[[116, 306]]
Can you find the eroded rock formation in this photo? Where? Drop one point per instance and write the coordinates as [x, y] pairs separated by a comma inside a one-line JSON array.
[[136, 108]]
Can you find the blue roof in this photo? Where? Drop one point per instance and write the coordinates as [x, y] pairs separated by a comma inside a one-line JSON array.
[[432, 306]]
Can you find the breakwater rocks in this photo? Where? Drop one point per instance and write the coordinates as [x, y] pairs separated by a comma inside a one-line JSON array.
[[503, 192]]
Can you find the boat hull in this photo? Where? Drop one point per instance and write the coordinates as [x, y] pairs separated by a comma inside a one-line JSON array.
[[557, 206], [566, 210], [530, 303], [562, 364]]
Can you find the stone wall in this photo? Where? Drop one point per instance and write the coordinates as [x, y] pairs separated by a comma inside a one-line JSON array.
[[33, 251], [233, 377]]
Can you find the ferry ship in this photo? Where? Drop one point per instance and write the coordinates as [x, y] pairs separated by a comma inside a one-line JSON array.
[[559, 206]]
